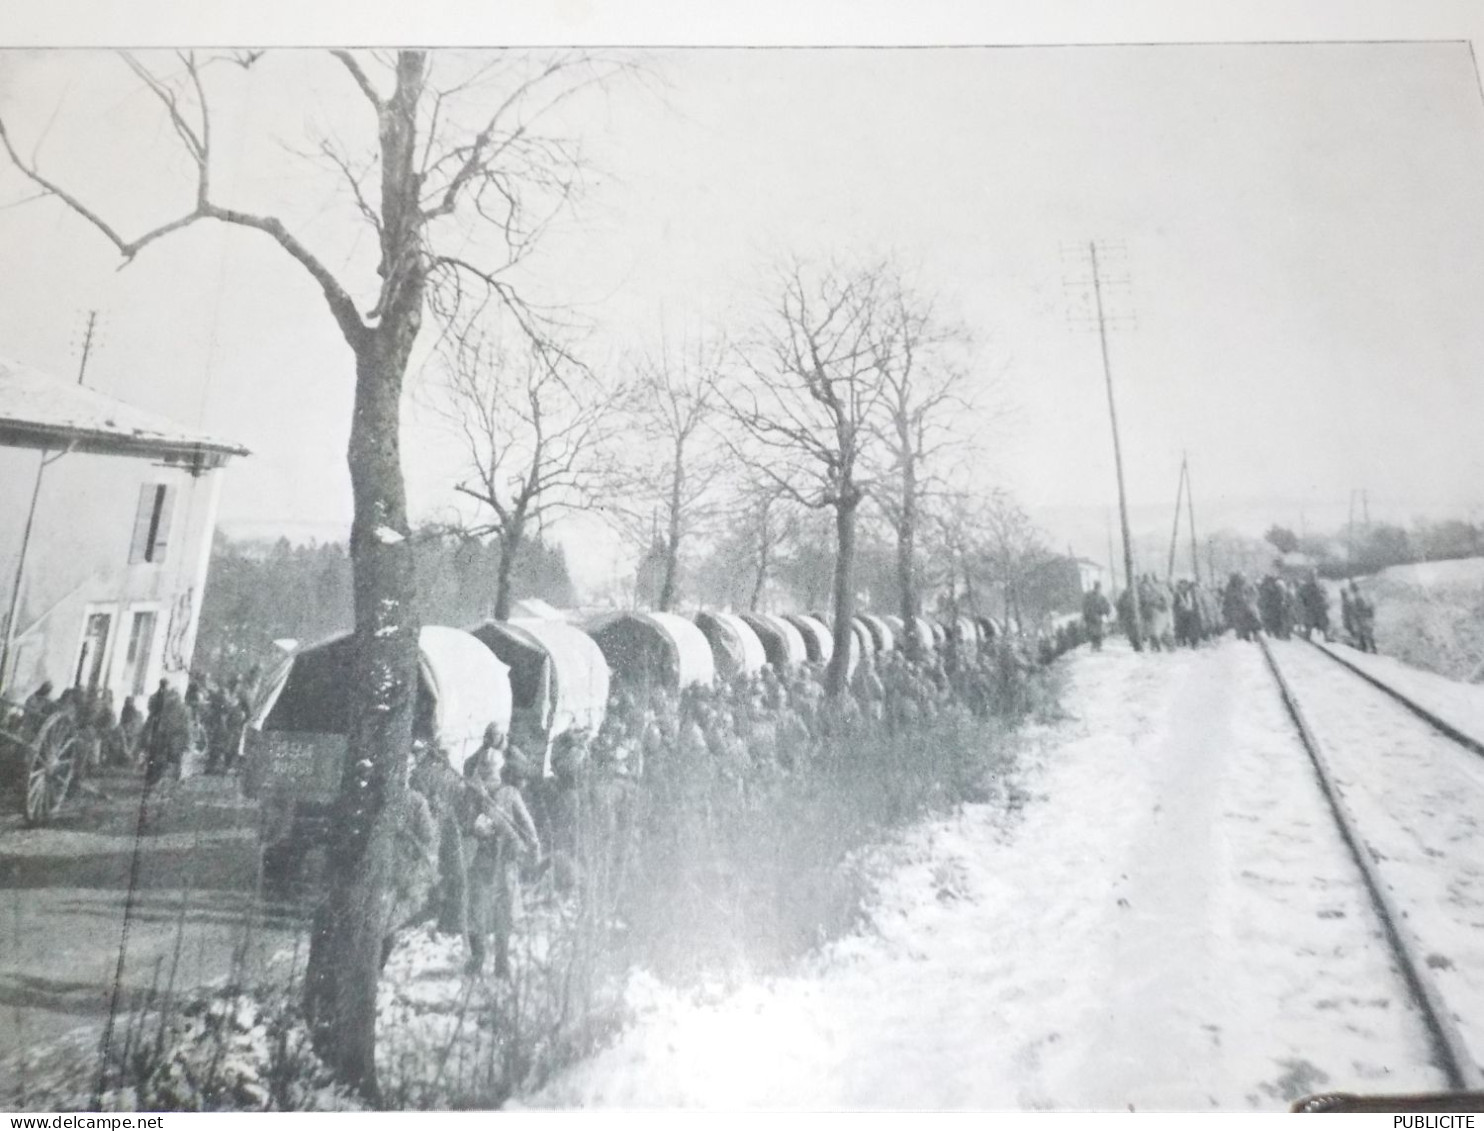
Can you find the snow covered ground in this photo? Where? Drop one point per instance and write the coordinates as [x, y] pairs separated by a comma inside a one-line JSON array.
[[1463, 571], [1461, 705], [1419, 799], [1170, 922]]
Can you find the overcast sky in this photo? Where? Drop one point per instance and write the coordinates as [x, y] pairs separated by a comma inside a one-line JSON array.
[[1302, 227]]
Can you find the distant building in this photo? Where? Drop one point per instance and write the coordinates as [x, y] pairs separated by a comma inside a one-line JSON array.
[[1088, 571], [1056, 585], [106, 524]]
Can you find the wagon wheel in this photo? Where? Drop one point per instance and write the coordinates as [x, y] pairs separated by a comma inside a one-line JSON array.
[[51, 764]]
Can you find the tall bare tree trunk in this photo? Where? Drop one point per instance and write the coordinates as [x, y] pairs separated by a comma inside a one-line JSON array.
[[510, 543], [837, 678], [906, 551], [345, 948], [671, 580], [764, 555]]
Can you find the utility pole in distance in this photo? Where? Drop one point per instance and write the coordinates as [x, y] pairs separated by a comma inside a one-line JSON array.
[[1195, 558], [1136, 636], [1175, 529], [87, 346]]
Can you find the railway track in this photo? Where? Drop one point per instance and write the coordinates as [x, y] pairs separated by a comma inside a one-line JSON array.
[[1381, 843]]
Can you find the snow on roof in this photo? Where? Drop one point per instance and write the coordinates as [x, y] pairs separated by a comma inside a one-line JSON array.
[[39, 411]]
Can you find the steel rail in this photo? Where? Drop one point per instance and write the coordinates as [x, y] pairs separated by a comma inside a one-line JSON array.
[[1433, 720], [1452, 1052]]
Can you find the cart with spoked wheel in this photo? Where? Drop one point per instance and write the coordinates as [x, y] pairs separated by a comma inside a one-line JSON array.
[[41, 759]]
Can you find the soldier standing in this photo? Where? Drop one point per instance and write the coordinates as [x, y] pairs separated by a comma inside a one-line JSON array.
[[1363, 614], [1095, 608], [504, 835], [440, 784], [1315, 606]]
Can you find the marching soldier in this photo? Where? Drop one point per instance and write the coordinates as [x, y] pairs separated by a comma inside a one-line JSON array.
[[1095, 608]]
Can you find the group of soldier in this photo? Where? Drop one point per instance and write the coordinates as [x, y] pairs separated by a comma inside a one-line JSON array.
[[1184, 613], [209, 717], [526, 811]]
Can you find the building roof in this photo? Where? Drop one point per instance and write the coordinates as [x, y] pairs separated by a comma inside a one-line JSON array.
[[39, 411]]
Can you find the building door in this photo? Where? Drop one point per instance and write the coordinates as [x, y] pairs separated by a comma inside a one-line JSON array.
[[136, 658], [90, 670]]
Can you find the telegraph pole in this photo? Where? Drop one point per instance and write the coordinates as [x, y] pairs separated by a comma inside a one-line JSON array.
[[1195, 558], [1136, 636], [87, 346], [1350, 539], [7, 642], [1175, 530]]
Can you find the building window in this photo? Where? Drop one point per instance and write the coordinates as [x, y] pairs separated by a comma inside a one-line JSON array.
[[136, 659], [152, 523], [90, 671]]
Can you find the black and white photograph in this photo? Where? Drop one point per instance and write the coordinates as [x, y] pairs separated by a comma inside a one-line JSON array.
[[914, 563]]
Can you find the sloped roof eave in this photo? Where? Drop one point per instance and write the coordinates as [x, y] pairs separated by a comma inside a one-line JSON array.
[[31, 434], [39, 411]]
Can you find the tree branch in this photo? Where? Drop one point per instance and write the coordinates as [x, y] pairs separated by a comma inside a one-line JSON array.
[[361, 78]]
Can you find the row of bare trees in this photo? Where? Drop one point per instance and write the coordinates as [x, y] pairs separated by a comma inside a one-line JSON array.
[[848, 388]]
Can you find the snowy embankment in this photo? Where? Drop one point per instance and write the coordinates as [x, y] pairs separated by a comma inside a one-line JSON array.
[[1431, 615], [1170, 922]]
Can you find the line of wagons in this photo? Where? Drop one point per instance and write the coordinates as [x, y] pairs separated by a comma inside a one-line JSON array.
[[539, 674]]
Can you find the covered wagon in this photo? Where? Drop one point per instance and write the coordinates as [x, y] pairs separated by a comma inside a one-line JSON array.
[[819, 643], [781, 641], [654, 649], [882, 638], [558, 676], [964, 638], [297, 742], [921, 633], [734, 646]]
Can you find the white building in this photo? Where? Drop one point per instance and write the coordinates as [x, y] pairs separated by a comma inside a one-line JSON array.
[[106, 521]]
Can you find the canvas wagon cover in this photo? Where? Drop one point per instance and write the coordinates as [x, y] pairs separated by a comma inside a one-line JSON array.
[[966, 637], [781, 641], [793, 639], [462, 687], [553, 664], [736, 648], [654, 645], [881, 635], [818, 640]]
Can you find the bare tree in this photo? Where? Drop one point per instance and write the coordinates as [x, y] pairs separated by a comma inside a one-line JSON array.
[[1011, 548], [755, 527], [456, 181], [925, 402], [667, 467], [954, 542], [529, 423], [816, 384]]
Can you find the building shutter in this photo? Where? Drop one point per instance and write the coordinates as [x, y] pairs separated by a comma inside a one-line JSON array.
[[164, 506], [143, 518]]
